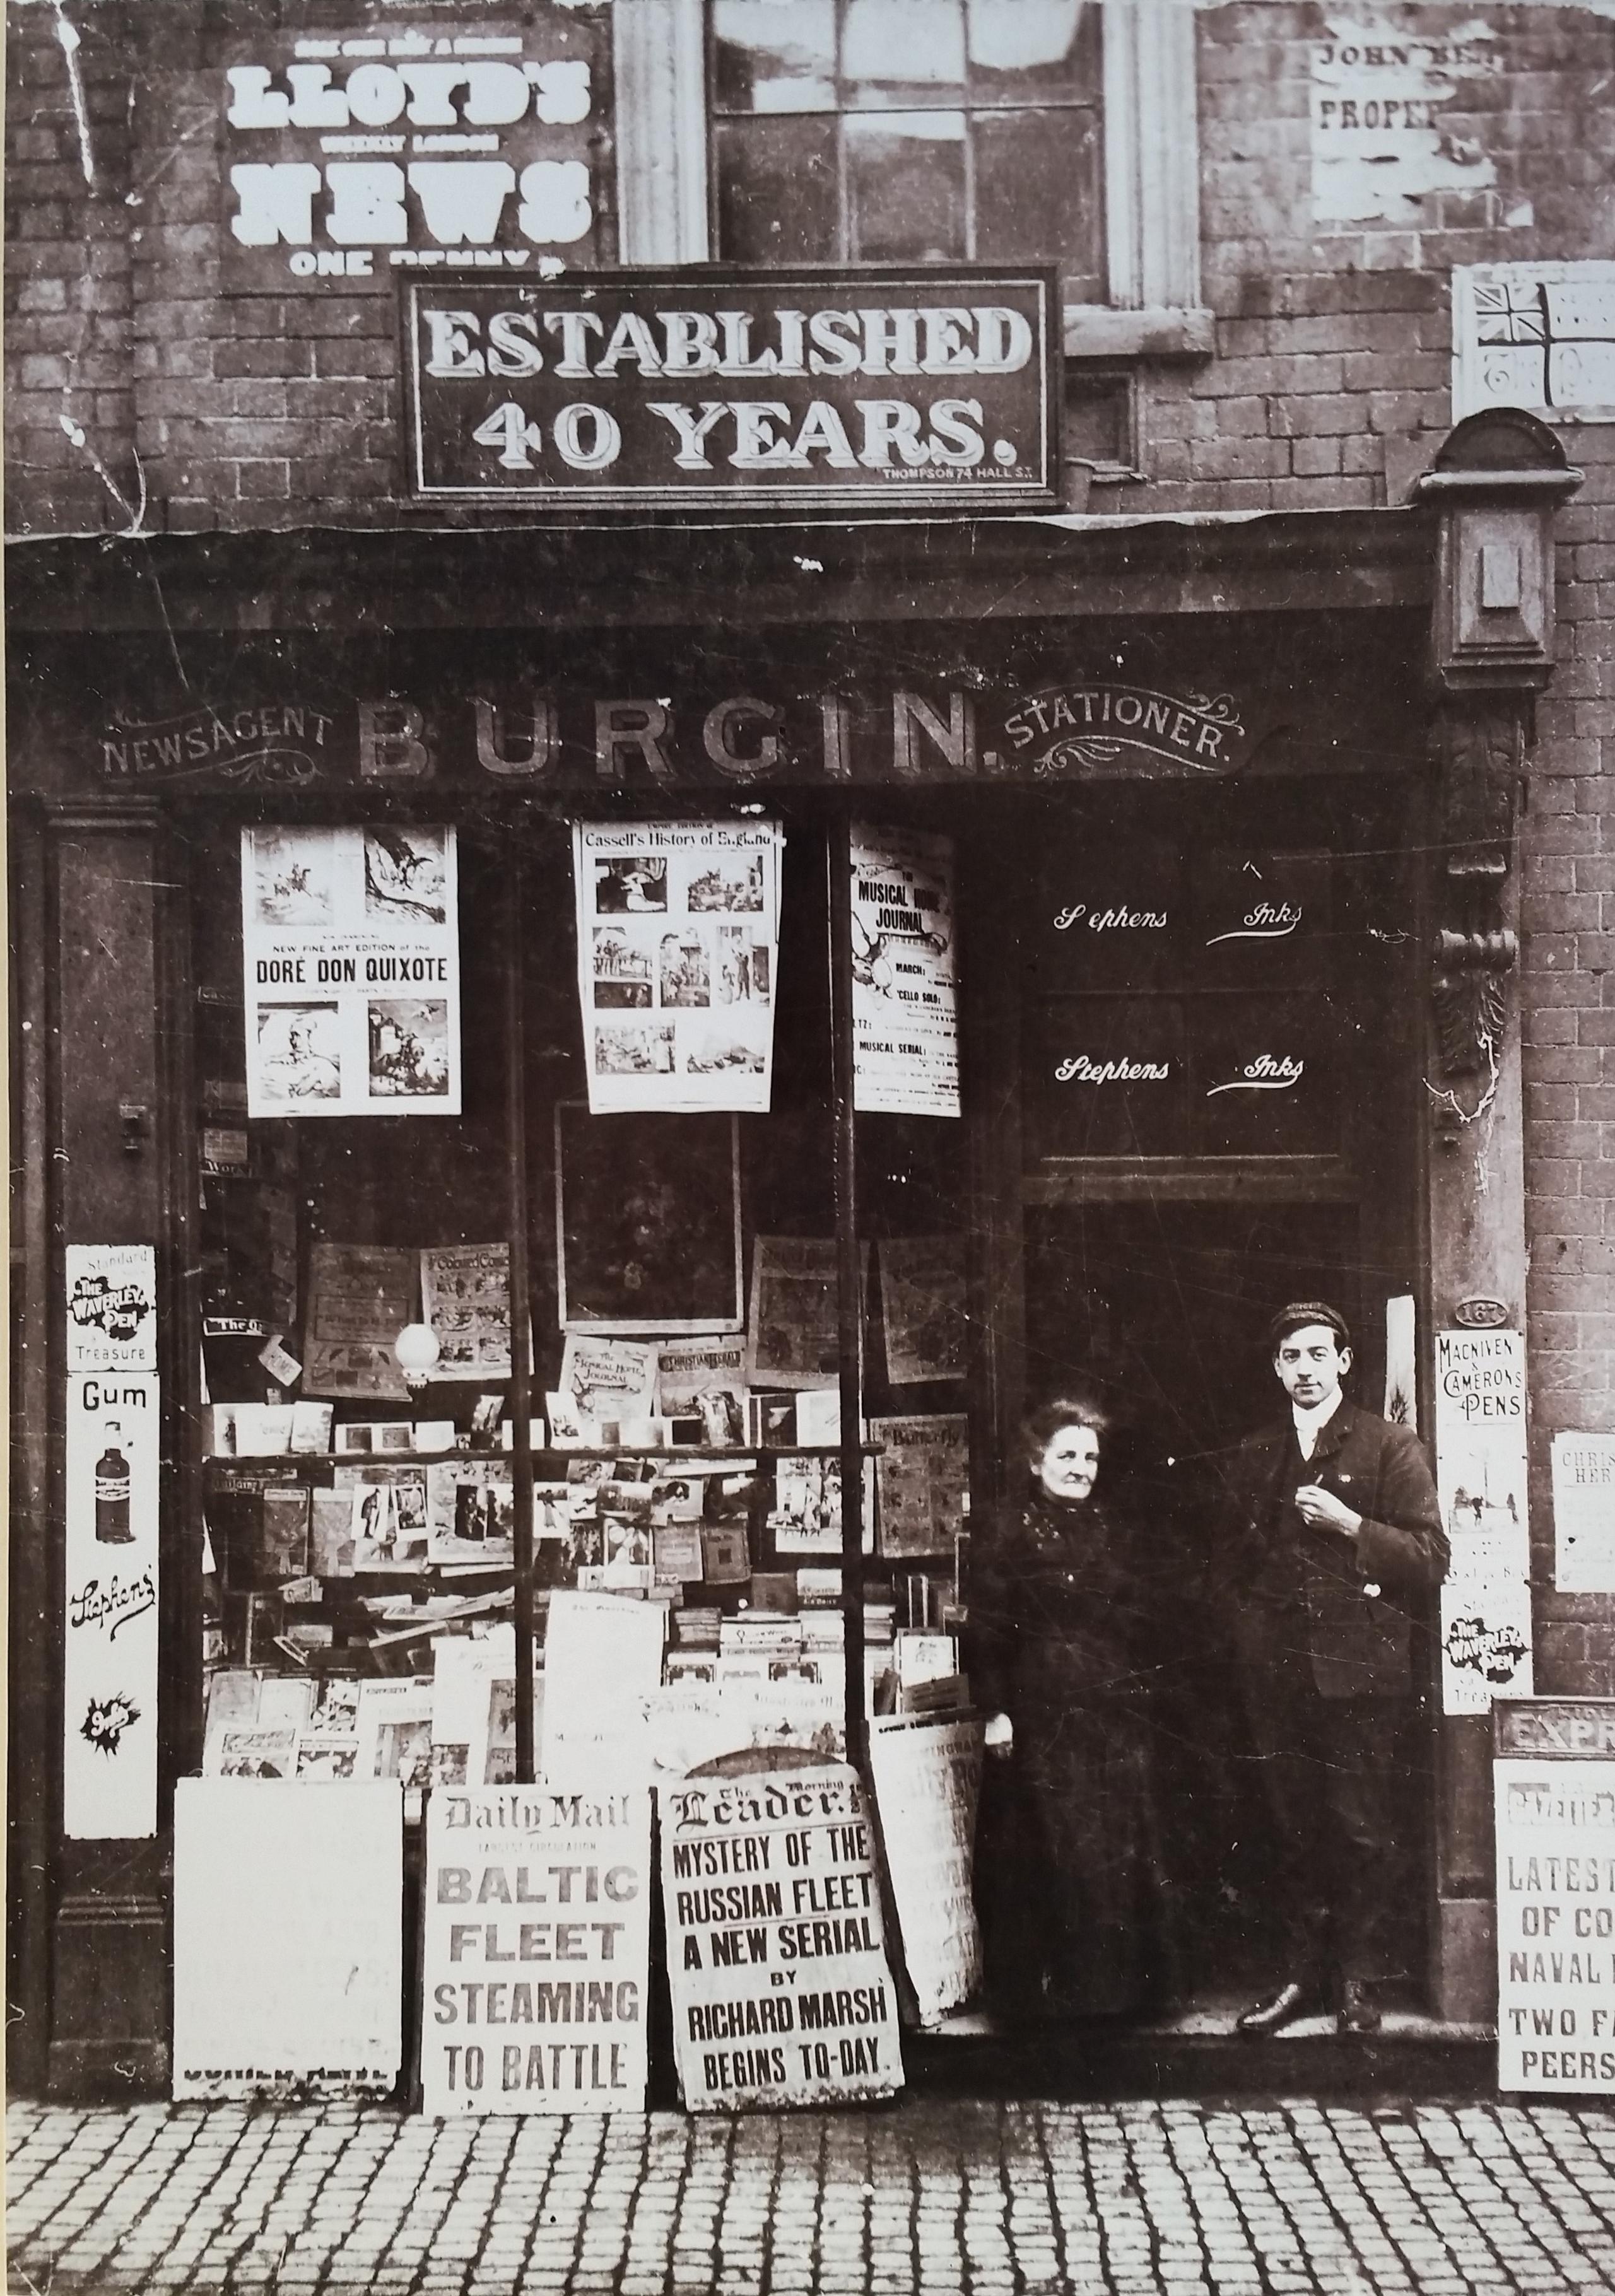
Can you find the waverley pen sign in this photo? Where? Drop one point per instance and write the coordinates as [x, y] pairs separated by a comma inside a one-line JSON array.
[[812, 388]]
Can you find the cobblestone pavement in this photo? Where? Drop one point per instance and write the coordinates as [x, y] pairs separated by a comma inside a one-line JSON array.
[[926, 2195]]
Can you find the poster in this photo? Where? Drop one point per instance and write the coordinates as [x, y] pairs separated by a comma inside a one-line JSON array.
[[922, 1308], [1584, 1514], [1401, 1361], [112, 1308], [361, 1296], [928, 1783], [607, 1379], [1556, 1835], [109, 1659], [1486, 1642], [704, 1379], [602, 1655], [793, 1330], [923, 1477], [288, 1938], [776, 1955], [350, 949], [678, 950], [465, 1297], [905, 1007], [537, 1954], [648, 1222]]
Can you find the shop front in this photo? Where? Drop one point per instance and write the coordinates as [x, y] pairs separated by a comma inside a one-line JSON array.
[[632, 1062]]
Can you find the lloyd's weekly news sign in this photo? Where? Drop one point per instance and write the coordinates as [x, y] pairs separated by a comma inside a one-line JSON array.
[[807, 387]]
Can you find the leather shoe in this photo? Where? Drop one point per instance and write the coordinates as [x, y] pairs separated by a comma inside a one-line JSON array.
[[1358, 2013], [1296, 1998]]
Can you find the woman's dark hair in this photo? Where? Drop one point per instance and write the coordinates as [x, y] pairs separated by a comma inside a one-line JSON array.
[[1078, 1407]]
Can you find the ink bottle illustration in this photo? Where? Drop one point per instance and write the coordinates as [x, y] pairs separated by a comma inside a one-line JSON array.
[[112, 1493]]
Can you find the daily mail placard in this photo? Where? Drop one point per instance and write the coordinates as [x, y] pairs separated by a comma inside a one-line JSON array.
[[908, 389], [776, 1955], [350, 947], [1555, 1782], [109, 1638], [537, 1945]]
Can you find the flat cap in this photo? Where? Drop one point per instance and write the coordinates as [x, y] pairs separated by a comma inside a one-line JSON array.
[[1299, 1312]]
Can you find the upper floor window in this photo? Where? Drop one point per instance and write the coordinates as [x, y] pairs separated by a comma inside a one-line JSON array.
[[910, 131]]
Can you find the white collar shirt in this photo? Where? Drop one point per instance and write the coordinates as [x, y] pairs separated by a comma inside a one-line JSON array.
[[1310, 1422]]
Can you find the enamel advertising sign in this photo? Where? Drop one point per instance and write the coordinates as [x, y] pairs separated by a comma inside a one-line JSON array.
[[819, 389]]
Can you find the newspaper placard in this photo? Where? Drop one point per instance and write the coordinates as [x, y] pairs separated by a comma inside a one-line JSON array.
[[465, 1296], [603, 1659], [922, 1476], [793, 1332], [928, 1785], [110, 1657], [1555, 1786], [537, 1943], [922, 1308], [112, 1308], [678, 949], [351, 947], [776, 1955], [288, 1938], [360, 1297], [1584, 1514], [904, 1004]]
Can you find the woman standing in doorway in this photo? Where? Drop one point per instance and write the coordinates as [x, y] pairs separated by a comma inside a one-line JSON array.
[[1060, 1631]]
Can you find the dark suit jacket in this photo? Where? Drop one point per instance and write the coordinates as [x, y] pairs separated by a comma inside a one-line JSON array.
[[1357, 1598]]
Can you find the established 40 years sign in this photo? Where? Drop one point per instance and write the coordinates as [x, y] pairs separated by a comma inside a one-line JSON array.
[[916, 390]]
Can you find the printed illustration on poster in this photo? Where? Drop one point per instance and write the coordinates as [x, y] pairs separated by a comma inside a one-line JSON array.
[[923, 1475], [465, 1297], [350, 949], [1584, 1514], [538, 1920], [110, 1657], [928, 1783], [678, 950], [112, 1308], [793, 1329], [648, 1222], [1555, 1894], [776, 1957], [1486, 1642], [924, 1311], [905, 1001], [288, 1938], [360, 1297]]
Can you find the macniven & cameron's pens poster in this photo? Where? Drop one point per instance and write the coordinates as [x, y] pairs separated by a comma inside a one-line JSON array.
[[351, 966]]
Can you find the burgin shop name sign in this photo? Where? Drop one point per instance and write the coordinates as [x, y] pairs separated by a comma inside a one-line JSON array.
[[816, 388], [1078, 730]]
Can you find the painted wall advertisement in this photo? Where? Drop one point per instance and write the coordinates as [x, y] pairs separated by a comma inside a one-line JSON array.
[[905, 1005], [351, 957], [356, 158], [678, 950], [537, 1943], [288, 1946], [110, 1662], [776, 1952], [1584, 1514], [1480, 1471], [1554, 1784]]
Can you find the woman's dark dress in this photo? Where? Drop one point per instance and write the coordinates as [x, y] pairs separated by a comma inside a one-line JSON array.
[[1070, 1876]]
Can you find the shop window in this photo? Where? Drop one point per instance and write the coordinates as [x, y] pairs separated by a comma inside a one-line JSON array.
[[909, 131]]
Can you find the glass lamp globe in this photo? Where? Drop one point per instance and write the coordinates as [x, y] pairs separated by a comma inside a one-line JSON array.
[[417, 1348]]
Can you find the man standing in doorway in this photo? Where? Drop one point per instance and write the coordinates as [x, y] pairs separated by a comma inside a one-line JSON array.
[[1334, 1534]]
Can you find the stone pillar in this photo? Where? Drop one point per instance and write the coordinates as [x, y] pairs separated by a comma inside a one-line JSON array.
[[1495, 482]]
